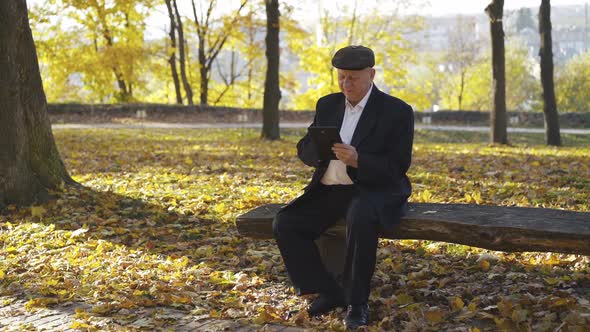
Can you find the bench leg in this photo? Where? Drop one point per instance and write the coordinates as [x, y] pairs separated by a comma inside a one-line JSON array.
[[333, 252]]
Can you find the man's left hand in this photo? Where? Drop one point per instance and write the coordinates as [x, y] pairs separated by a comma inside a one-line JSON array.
[[346, 153]]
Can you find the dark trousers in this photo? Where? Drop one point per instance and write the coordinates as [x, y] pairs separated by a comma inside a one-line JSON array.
[[305, 219]]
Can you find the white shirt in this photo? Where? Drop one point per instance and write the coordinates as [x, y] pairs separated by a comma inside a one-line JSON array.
[[336, 172]]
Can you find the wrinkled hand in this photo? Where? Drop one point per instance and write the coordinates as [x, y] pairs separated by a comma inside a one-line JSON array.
[[346, 153]]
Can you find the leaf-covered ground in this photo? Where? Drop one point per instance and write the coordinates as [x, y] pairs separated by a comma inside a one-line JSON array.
[[153, 226]]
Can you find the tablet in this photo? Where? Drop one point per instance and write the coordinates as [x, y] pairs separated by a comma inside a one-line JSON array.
[[324, 138]]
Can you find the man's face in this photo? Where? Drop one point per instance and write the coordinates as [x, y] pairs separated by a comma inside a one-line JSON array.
[[355, 83]]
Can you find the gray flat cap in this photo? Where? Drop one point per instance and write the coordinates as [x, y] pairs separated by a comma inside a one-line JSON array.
[[354, 57]]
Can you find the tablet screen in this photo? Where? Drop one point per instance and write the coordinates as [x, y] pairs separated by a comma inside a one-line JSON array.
[[324, 138]]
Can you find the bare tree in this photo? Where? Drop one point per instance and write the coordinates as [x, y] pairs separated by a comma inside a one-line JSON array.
[[272, 91], [464, 50], [182, 55], [229, 78], [552, 135], [352, 24], [29, 160], [172, 57], [210, 41], [495, 12]]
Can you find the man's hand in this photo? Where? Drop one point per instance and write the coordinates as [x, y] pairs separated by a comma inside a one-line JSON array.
[[346, 153]]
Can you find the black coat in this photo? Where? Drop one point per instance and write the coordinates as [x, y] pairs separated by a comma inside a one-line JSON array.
[[383, 139]]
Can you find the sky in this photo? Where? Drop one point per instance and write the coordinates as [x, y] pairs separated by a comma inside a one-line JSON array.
[[441, 7], [430, 7]]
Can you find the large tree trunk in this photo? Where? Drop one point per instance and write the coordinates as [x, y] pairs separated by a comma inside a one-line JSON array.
[[172, 57], [272, 91], [29, 160], [498, 116], [182, 56], [549, 105]]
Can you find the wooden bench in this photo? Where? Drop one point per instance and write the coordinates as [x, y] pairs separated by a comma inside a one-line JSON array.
[[491, 227]]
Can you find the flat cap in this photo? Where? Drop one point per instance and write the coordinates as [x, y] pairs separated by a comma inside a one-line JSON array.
[[354, 57]]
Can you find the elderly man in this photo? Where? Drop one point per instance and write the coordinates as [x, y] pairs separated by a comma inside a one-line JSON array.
[[367, 185]]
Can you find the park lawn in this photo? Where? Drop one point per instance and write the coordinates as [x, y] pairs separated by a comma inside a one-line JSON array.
[[153, 225]]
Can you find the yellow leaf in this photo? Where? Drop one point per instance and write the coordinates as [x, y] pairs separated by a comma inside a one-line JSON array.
[[404, 298], [456, 303], [81, 314], [484, 265], [101, 309], [505, 308], [434, 316], [561, 302], [10, 250], [40, 302], [37, 211], [552, 281], [79, 325], [2, 274]]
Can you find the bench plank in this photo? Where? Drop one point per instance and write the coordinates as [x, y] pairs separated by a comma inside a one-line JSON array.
[[491, 227]]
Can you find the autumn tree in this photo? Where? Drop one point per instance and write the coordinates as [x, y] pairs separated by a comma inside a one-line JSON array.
[[272, 91], [106, 51], [212, 34], [463, 52], [573, 84], [495, 12], [552, 135], [29, 160], [427, 83], [241, 67], [385, 32], [522, 87]]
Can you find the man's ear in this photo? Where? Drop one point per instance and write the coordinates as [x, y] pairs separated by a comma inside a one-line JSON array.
[[372, 73]]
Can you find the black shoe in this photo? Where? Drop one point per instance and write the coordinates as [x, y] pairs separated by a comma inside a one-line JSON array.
[[325, 303], [357, 315]]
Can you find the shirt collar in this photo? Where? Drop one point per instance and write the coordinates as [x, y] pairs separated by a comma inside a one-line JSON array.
[[361, 104]]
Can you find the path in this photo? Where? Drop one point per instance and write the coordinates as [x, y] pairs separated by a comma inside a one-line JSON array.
[[14, 317]]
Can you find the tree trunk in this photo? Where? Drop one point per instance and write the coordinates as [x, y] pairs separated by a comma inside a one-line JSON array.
[[498, 116], [461, 90], [124, 93], [552, 135], [182, 56], [172, 57], [204, 72], [272, 91], [29, 161]]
